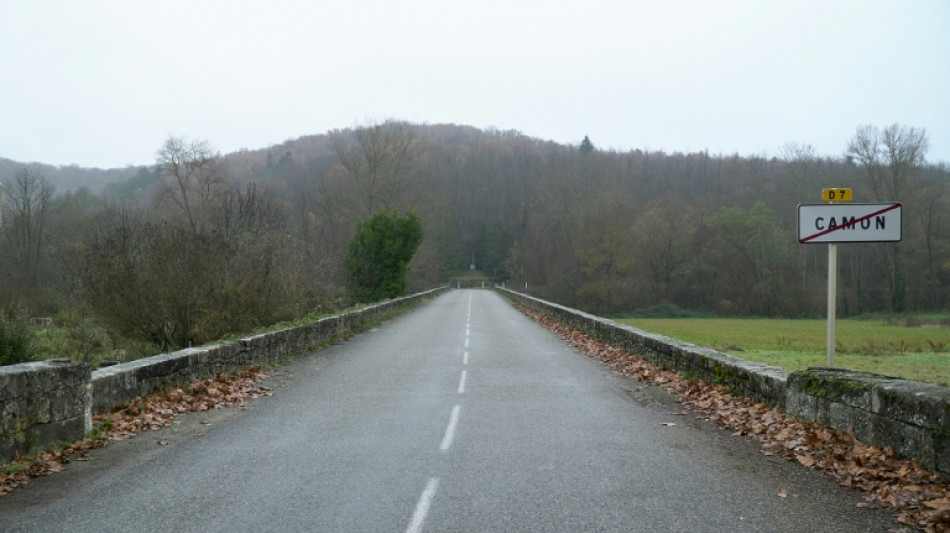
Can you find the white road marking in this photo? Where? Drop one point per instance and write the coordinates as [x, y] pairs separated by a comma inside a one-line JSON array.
[[450, 430], [422, 508], [465, 358], [466, 342], [462, 382]]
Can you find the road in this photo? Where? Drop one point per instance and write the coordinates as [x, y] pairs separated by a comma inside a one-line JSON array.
[[463, 415]]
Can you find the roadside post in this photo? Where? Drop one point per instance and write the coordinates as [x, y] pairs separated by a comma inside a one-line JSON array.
[[839, 221]]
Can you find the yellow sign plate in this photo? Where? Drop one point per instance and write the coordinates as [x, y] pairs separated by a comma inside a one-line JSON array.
[[836, 195]]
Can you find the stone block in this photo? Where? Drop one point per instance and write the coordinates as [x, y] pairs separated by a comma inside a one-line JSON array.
[[921, 404], [43, 404], [942, 451], [907, 440]]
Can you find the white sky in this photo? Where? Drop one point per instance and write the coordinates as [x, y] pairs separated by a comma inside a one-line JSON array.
[[104, 83]]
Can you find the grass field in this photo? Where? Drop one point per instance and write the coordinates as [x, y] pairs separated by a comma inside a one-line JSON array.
[[920, 352]]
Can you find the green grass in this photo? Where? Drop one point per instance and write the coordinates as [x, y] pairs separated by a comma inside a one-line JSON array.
[[878, 345], [13, 468]]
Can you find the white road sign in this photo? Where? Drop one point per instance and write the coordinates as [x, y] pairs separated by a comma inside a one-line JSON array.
[[818, 223]]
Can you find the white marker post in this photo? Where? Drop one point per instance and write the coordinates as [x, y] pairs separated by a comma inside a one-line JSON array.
[[833, 223]]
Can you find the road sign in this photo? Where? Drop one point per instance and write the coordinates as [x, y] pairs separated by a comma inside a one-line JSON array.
[[837, 194], [823, 223]]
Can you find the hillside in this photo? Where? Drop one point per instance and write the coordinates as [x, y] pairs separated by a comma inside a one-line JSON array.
[[599, 229], [69, 178]]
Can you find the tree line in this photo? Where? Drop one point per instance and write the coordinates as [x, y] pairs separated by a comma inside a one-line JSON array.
[[202, 244]]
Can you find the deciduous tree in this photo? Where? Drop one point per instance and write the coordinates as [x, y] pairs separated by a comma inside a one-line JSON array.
[[378, 161], [194, 173], [891, 160], [25, 218]]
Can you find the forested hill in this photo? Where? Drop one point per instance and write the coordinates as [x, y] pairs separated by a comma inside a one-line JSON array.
[[602, 230], [610, 231], [70, 177]]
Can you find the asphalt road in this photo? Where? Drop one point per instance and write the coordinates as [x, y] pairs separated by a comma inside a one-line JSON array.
[[461, 416]]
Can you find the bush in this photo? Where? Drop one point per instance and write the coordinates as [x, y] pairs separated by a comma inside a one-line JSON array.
[[163, 284], [16, 342], [378, 257]]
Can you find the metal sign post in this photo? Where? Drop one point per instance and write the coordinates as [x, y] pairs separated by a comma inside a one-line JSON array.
[[831, 196], [836, 222], [832, 300]]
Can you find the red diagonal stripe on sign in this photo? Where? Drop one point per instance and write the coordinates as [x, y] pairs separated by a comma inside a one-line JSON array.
[[852, 223]]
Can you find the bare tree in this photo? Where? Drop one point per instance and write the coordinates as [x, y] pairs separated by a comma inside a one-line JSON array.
[[378, 160], [26, 214], [244, 211], [803, 167], [195, 173], [891, 158]]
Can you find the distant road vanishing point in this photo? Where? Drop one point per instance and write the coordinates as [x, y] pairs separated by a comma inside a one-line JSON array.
[[463, 415]]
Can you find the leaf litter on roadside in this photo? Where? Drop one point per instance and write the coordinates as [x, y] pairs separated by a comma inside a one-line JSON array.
[[142, 414], [920, 498]]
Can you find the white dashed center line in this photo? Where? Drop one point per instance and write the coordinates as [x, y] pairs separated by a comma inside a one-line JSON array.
[[450, 430], [425, 500], [422, 508]]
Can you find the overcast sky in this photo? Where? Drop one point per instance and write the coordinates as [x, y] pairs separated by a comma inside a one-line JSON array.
[[104, 83]]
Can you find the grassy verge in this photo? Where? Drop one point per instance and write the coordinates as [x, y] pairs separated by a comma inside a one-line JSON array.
[[92, 344], [920, 352]]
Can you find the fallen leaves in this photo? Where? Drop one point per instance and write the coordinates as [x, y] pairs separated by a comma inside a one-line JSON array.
[[142, 414], [919, 497], [158, 410], [806, 460]]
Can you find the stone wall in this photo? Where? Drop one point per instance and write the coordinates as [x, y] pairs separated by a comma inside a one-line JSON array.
[[42, 404], [115, 385], [763, 382], [911, 417], [51, 402]]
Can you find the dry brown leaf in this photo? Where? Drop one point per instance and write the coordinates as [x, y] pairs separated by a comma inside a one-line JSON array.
[[940, 503], [141, 414], [886, 479], [805, 460]]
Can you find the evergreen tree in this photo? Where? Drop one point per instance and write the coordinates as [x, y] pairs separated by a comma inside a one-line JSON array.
[[586, 146], [378, 257]]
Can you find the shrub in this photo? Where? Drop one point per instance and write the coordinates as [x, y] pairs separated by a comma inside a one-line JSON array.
[[16, 342], [378, 257]]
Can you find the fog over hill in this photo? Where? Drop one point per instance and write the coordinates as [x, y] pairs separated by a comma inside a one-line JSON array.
[[243, 165], [598, 229], [69, 178]]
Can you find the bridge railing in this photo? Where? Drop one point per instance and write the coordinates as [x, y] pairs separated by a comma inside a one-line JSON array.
[[911, 417], [47, 403]]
